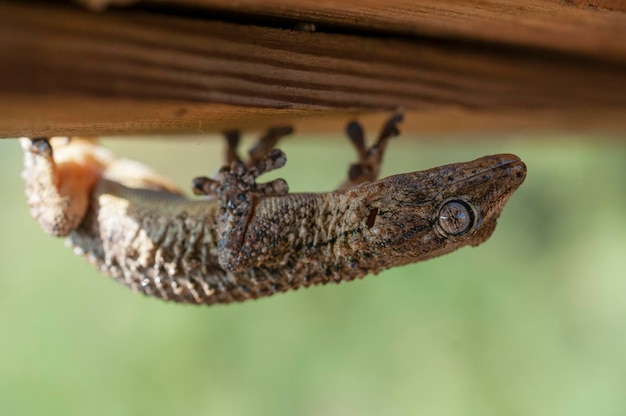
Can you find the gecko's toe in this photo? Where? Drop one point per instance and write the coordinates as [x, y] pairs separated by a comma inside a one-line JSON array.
[[266, 143], [38, 146], [274, 188], [390, 128], [273, 159], [202, 185]]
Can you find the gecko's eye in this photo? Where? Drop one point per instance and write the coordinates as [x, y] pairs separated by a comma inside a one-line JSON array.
[[456, 217]]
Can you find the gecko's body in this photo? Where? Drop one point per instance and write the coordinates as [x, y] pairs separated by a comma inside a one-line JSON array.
[[251, 240]]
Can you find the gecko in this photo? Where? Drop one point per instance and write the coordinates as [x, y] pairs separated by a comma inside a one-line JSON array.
[[242, 239]]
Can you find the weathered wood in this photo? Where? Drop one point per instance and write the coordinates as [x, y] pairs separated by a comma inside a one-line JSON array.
[[594, 28], [68, 71]]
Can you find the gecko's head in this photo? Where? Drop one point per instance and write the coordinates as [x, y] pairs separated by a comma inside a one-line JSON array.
[[424, 214]]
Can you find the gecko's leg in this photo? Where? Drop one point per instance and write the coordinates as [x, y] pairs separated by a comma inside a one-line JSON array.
[[367, 168], [238, 193]]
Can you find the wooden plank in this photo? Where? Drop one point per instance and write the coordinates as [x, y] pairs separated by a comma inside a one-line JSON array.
[[595, 28], [68, 71]]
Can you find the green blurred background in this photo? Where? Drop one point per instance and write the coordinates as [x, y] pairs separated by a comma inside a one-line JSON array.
[[533, 322]]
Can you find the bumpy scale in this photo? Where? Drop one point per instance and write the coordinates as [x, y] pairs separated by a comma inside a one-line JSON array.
[[246, 239]]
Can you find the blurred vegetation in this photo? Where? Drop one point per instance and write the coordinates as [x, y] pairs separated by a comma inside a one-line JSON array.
[[533, 322]]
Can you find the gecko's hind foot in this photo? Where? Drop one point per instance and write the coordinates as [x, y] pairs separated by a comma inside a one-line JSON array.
[[367, 168], [39, 146]]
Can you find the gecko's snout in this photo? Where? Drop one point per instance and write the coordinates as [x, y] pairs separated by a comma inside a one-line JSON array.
[[502, 168], [513, 165]]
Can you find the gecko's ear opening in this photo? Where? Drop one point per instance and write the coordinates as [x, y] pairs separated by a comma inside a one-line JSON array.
[[483, 232]]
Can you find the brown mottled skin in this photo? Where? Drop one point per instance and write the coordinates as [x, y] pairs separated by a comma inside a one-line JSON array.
[[248, 240]]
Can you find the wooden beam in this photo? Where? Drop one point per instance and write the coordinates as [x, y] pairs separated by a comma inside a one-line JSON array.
[[594, 28], [68, 71]]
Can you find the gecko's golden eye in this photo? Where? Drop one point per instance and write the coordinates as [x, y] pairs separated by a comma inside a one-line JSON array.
[[456, 217]]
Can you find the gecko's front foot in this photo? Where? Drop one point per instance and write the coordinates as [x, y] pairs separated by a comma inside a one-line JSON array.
[[238, 179], [238, 192], [367, 167], [236, 182]]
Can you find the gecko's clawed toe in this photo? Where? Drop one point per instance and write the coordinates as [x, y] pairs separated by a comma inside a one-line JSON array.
[[276, 187], [232, 143], [202, 185], [354, 130], [274, 159], [390, 128], [267, 142]]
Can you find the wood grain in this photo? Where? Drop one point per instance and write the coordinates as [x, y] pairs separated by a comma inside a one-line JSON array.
[[68, 71], [594, 28]]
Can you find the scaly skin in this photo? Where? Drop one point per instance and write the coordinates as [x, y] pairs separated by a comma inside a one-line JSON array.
[[250, 240]]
